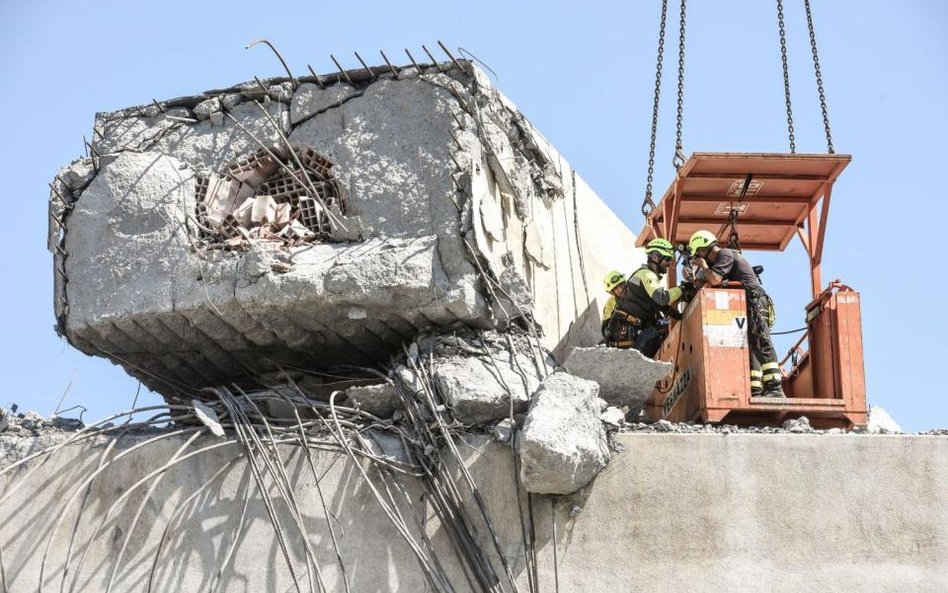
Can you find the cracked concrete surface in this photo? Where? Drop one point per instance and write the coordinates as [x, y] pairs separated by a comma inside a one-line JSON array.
[[459, 213]]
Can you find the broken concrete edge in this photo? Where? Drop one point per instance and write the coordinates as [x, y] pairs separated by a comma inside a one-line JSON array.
[[276, 88], [59, 208]]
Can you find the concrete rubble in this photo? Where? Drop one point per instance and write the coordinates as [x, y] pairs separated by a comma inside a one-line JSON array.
[[880, 422], [563, 444], [322, 223], [625, 377]]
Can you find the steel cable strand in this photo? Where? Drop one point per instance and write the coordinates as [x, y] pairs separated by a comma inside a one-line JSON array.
[[108, 515], [319, 490], [81, 488], [103, 461], [426, 449], [241, 422], [138, 513], [469, 480], [278, 471], [142, 481], [179, 512], [440, 583], [419, 521], [460, 519], [235, 540]]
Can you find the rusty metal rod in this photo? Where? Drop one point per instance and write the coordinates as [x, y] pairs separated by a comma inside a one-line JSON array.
[[319, 80], [433, 60], [282, 61], [413, 62], [158, 105], [455, 62], [366, 66], [58, 193], [265, 90], [58, 220], [344, 73], [390, 67]]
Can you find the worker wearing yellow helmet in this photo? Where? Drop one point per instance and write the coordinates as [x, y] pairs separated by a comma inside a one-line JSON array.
[[637, 320], [614, 283], [718, 264]]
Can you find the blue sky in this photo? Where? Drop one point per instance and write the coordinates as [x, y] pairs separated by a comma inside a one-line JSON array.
[[583, 74]]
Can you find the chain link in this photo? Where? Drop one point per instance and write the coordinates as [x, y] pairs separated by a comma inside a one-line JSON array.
[[647, 204], [679, 158], [786, 74], [819, 78]]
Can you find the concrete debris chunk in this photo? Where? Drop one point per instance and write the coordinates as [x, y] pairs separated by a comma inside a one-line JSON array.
[[204, 109], [208, 417], [563, 444], [612, 416], [481, 391], [625, 376], [798, 425], [503, 430], [379, 400], [386, 445], [4, 419], [880, 422]]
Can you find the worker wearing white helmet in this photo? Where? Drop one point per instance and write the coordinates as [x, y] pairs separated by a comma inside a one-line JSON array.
[[638, 318], [720, 264]]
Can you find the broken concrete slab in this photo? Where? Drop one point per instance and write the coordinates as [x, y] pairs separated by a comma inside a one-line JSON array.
[[483, 390], [563, 443], [379, 400], [411, 157], [625, 376]]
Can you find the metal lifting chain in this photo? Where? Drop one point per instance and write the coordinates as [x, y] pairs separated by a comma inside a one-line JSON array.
[[819, 78], [786, 73], [679, 159], [734, 240], [647, 204]]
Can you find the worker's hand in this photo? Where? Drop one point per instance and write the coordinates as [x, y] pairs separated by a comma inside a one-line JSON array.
[[700, 262], [688, 291]]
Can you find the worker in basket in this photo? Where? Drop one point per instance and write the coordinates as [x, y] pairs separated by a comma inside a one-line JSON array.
[[639, 316], [719, 264]]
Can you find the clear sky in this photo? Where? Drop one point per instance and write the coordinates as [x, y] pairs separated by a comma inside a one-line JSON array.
[[583, 73]]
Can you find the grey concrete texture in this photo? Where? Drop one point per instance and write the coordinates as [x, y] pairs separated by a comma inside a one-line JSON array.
[[484, 390], [671, 513], [563, 444], [625, 376], [458, 212], [379, 399]]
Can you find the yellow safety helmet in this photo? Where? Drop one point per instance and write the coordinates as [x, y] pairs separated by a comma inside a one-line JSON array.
[[661, 247], [701, 239], [613, 279]]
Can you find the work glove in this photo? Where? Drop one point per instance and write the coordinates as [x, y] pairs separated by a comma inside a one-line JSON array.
[[688, 291]]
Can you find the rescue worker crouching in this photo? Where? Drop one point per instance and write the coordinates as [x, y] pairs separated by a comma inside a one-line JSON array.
[[720, 264], [615, 285], [637, 319]]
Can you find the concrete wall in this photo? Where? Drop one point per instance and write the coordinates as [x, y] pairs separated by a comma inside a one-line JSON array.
[[672, 512]]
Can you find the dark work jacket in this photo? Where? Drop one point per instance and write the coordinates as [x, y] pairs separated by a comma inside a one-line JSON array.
[[637, 302]]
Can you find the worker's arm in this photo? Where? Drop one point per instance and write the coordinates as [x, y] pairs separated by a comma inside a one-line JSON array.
[[661, 295], [708, 277]]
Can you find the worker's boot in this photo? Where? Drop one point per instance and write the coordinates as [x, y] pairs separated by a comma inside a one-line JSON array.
[[773, 389], [757, 391]]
